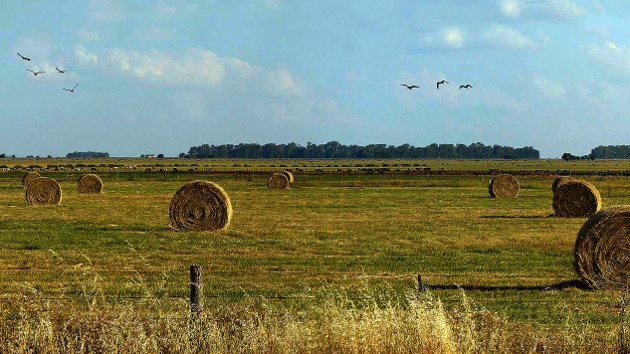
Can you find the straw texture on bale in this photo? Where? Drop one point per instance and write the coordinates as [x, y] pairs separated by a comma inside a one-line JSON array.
[[90, 184], [289, 176], [200, 206], [278, 181], [576, 199], [43, 191], [29, 177], [602, 249], [504, 186], [562, 180]]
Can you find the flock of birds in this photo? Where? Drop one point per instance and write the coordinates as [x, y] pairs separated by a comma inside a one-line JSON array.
[[39, 72], [441, 82]]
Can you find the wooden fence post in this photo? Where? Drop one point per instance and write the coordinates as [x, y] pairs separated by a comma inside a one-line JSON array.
[[195, 291]]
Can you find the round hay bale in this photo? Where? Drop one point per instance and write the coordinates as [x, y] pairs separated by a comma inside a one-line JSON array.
[[29, 177], [504, 186], [278, 181], [289, 176], [562, 180], [43, 191], [90, 183], [602, 256], [200, 206], [576, 199]]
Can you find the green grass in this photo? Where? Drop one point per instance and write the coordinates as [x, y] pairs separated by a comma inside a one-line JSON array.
[[348, 231]]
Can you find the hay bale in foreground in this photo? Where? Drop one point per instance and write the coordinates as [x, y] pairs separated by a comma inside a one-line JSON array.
[[289, 176], [560, 181], [43, 191], [602, 256], [576, 199], [29, 177], [200, 206], [90, 183], [504, 186], [278, 181]]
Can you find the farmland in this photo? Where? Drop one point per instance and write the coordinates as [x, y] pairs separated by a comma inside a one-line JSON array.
[[331, 232]]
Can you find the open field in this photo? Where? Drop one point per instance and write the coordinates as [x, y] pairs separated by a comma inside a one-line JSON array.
[[311, 165], [348, 233]]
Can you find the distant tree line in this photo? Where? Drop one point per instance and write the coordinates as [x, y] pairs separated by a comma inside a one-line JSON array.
[[87, 154], [334, 149], [602, 153]]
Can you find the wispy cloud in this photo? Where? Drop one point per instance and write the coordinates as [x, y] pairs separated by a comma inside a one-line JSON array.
[[549, 9], [610, 57], [449, 37], [547, 87], [200, 67], [506, 36]]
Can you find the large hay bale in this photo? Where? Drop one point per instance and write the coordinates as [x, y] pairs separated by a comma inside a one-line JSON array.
[[504, 186], [560, 181], [90, 183], [289, 176], [576, 199], [43, 191], [200, 206], [602, 249], [29, 177], [278, 181]]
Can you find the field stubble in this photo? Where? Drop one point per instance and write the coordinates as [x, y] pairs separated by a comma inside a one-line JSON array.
[[354, 234]]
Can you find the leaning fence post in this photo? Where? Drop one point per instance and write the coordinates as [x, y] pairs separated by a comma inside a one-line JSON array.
[[195, 291]]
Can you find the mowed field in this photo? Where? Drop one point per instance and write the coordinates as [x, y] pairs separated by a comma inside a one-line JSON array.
[[329, 232]]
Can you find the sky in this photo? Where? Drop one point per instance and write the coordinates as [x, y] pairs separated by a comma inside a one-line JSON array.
[[162, 76]]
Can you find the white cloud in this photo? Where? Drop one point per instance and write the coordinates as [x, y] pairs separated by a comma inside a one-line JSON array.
[[453, 37], [610, 56], [508, 37], [559, 9], [510, 8], [548, 87], [84, 56], [88, 35], [199, 67]]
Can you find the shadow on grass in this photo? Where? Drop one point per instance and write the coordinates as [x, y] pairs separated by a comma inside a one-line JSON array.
[[569, 284], [517, 216]]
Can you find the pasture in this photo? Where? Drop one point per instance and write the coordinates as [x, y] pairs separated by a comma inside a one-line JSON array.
[[348, 234]]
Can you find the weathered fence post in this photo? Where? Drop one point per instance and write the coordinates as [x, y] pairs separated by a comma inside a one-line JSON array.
[[195, 291]]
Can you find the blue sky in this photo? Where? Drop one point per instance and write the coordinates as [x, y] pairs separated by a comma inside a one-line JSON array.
[[162, 76]]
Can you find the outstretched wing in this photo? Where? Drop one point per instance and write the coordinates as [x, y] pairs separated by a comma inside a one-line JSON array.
[[75, 86]]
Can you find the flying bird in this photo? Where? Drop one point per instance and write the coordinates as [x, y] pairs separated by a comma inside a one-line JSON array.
[[23, 57], [410, 87], [72, 89], [36, 72], [467, 86], [441, 83], [60, 71]]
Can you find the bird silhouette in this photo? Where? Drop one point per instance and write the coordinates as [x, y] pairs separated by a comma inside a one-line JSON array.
[[467, 86], [23, 57], [72, 89], [60, 71], [410, 87], [36, 72], [441, 83]]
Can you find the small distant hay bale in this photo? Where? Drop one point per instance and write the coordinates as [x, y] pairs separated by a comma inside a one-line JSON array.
[[576, 199], [560, 181], [504, 186], [43, 191], [289, 176], [90, 183], [278, 181], [29, 177], [601, 252], [200, 206]]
